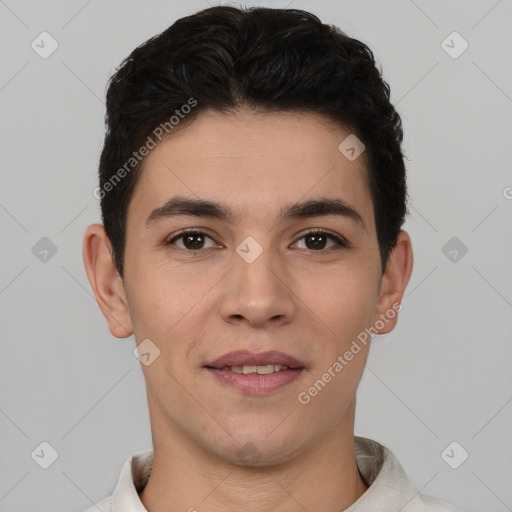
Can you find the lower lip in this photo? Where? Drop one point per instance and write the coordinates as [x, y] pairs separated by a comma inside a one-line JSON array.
[[254, 383]]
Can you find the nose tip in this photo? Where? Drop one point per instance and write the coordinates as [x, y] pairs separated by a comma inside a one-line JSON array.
[[254, 320], [255, 292]]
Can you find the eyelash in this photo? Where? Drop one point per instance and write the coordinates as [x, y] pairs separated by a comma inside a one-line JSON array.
[[340, 241]]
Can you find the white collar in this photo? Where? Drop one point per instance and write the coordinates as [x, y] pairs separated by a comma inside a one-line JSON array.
[[389, 488]]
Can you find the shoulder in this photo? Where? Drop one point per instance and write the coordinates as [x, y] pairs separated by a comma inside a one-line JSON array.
[[105, 505], [426, 503], [134, 475], [388, 486]]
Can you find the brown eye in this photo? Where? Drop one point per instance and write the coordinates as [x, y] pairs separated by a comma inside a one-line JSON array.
[[318, 240], [193, 241], [190, 240]]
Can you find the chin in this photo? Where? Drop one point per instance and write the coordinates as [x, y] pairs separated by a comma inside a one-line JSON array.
[[258, 451]]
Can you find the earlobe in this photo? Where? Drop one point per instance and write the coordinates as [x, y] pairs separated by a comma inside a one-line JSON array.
[[105, 281], [393, 284]]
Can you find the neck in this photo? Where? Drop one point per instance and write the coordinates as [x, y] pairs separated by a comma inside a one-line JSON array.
[[324, 478]]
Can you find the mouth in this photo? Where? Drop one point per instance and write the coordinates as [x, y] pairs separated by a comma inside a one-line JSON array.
[[256, 373], [245, 359], [265, 369]]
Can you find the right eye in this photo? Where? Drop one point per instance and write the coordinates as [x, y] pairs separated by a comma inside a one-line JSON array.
[[192, 240]]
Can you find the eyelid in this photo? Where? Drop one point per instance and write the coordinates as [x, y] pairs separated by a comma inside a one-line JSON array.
[[182, 232], [340, 241]]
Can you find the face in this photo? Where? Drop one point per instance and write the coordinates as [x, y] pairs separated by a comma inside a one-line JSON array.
[[284, 261]]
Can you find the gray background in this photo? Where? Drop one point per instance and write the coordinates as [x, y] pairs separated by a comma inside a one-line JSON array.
[[443, 375]]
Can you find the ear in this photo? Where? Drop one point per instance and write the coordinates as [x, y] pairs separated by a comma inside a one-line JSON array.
[[394, 280], [105, 281]]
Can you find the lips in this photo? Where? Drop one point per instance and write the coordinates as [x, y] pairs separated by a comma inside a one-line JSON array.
[[246, 358], [252, 373]]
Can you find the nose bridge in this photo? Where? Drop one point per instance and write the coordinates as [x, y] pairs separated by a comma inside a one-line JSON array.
[[257, 289]]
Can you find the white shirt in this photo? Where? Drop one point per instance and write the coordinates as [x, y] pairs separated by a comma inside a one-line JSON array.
[[389, 489]]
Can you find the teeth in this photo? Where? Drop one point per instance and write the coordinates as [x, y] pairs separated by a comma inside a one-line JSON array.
[[260, 370]]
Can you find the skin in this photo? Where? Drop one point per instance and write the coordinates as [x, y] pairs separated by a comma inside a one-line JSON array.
[[305, 300]]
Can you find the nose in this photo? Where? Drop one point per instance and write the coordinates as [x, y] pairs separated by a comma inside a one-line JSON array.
[[258, 293]]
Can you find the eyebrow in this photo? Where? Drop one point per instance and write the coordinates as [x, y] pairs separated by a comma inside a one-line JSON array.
[[181, 205]]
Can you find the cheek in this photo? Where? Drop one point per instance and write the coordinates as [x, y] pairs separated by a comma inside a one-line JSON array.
[[157, 298], [342, 308], [168, 307], [343, 301]]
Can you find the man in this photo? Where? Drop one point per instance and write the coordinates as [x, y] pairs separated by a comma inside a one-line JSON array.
[[253, 190]]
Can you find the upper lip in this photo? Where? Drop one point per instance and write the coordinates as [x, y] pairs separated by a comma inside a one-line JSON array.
[[246, 358]]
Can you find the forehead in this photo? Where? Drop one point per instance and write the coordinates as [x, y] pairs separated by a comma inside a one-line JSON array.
[[254, 161]]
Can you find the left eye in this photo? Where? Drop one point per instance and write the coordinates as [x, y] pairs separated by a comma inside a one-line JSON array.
[[192, 240], [316, 240]]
